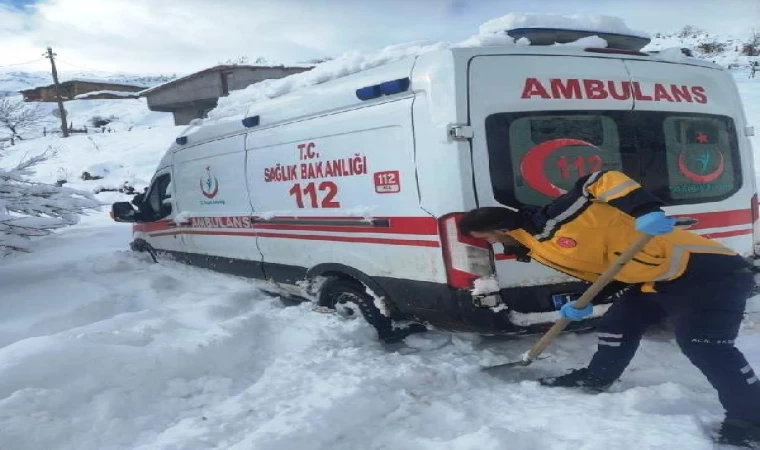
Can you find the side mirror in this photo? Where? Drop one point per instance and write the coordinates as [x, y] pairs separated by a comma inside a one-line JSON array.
[[123, 212]]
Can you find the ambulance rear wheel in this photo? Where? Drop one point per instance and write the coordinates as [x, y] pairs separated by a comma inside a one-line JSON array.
[[350, 300]]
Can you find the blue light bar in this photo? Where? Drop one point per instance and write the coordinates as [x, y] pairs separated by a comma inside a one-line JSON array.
[[182, 140], [395, 86], [385, 88], [368, 93], [250, 122]]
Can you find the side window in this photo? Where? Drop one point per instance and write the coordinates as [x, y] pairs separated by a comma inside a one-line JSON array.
[[700, 161], [158, 202]]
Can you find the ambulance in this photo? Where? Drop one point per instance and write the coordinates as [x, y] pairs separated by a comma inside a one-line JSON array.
[[348, 193]]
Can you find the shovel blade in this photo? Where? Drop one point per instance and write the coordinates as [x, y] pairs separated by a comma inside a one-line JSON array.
[[523, 362]]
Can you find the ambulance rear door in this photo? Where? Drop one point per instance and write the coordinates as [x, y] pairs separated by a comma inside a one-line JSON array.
[[691, 148], [540, 123]]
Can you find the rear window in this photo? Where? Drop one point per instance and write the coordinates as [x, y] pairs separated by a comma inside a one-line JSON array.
[[681, 158]]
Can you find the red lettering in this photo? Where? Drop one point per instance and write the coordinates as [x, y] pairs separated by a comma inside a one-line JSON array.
[[626, 90], [572, 88], [532, 88], [332, 191], [319, 170], [292, 175], [637, 93], [337, 168], [660, 93], [595, 90], [699, 94], [680, 93]]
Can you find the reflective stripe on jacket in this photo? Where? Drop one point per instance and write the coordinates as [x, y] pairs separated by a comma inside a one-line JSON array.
[[583, 231]]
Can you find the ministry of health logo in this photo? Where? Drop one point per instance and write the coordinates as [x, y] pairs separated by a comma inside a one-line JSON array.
[[209, 184]]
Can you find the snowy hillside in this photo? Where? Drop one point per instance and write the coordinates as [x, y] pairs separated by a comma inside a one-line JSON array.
[[735, 52], [13, 80]]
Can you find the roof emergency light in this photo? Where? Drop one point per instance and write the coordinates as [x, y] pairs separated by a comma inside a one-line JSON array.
[[386, 88], [250, 122]]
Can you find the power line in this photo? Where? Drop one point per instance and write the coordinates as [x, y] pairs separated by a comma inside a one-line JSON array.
[[21, 64], [77, 66]]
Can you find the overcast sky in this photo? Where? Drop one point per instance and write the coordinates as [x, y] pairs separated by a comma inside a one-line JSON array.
[[181, 36]]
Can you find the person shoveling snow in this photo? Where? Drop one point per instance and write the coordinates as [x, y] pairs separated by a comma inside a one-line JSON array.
[[701, 285]]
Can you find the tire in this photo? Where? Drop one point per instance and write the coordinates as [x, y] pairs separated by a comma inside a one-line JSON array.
[[350, 300]]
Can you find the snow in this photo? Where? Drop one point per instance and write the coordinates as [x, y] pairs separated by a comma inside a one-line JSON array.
[[585, 22], [725, 51], [586, 42], [101, 349], [485, 285], [490, 33], [124, 156], [116, 93], [526, 319]]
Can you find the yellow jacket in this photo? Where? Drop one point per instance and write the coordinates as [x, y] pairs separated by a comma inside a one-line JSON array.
[[582, 232]]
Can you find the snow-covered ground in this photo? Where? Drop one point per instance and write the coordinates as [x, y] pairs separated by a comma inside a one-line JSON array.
[[101, 349]]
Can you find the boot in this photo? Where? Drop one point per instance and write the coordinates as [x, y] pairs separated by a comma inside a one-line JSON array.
[[740, 433], [578, 378]]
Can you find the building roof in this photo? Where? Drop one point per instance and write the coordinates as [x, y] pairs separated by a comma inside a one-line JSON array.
[[218, 68], [89, 81]]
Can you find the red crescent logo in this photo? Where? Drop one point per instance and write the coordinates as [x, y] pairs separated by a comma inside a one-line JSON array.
[[699, 178], [213, 193], [532, 164]]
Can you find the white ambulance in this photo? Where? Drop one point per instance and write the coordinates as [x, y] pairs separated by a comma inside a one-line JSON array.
[[347, 193]]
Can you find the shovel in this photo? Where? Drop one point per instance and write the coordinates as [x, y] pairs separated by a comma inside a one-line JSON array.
[[531, 355]]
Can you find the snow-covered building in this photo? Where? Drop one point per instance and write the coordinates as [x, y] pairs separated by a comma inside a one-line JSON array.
[[193, 96], [77, 89]]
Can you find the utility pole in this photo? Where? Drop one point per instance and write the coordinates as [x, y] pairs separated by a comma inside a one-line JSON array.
[[61, 109]]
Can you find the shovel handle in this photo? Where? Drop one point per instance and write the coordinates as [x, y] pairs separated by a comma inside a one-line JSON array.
[[589, 295], [595, 288]]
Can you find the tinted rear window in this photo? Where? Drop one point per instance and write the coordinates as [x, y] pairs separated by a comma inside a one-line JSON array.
[[681, 158]]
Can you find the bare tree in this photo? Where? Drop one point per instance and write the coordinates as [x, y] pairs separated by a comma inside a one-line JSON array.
[[29, 209], [18, 117]]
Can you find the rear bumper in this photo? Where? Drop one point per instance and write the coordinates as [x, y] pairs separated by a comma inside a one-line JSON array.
[[525, 310]]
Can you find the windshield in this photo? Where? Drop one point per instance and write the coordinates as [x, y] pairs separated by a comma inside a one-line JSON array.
[[681, 157]]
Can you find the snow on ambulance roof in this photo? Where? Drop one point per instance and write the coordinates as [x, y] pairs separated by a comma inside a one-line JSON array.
[[580, 22], [491, 34]]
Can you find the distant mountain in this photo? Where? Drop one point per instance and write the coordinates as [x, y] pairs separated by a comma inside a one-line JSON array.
[[12, 81]]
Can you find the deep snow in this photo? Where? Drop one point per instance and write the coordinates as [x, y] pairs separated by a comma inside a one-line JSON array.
[[101, 349]]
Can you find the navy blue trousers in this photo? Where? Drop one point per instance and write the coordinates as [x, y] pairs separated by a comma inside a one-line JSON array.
[[706, 310]]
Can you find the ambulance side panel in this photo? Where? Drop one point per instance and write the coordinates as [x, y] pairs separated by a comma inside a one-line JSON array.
[[214, 206], [340, 189]]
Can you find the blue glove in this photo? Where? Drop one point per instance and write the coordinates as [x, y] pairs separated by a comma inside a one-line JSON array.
[[569, 312], [655, 223]]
